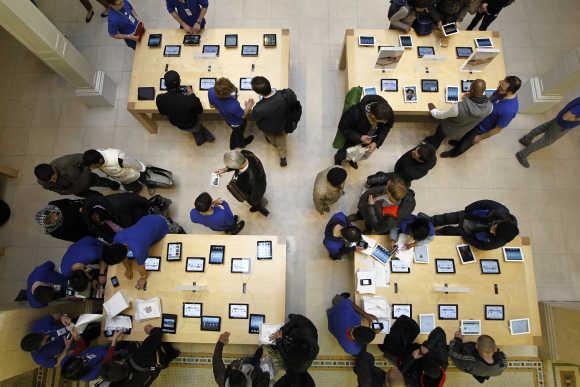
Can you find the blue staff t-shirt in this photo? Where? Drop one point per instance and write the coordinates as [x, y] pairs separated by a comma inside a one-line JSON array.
[[87, 250], [333, 244], [504, 110], [342, 318], [148, 230], [222, 218], [123, 22], [43, 273], [187, 10], [47, 355], [574, 108], [229, 108], [93, 360]]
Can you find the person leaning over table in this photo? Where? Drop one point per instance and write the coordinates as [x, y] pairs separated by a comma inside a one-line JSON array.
[[183, 109], [481, 359], [62, 219], [44, 285], [224, 97], [249, 178], [123, 21], [190, 14], [328, 187], [505, 108], [215, 214], [413, 230], [297, 343], [488, 11], [402, 13], [341, 238]]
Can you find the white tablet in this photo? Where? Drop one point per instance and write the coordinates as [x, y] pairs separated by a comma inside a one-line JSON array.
[[426, 323], [421, 254], [465, 254], [513, 254], [369, 91], [238, 311], [405, 41], [452, 94], [471, 327], [152, 263], [448, 311], [366, 40], [483, 43], [449, 29], [410, 94], [402, 309], [520, 326], [240, 265]]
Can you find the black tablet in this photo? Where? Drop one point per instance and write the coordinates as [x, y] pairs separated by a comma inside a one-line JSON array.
[[238, 311], [240, 265], [162, 84], [231, 40], [389, 85], [174, 251], [444, 266], [172, 50], [195, 264], [154, 40], [494, 312], [448, 311], [217, 254], [270, 40], [206, 83], [211, 49], [463, 52], [152, 263], [191, 40], [246, 83], [465, 254], [425, 50], [250, 50], [256, 321], [264, 250], [489, 266], [466, 85], [211, 323], [429, 85], [192, 309], [169, 323], [366, 40]]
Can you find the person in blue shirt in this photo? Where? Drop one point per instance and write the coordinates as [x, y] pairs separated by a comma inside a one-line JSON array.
[[215, 214], [123, 21], [44, 285], [224, 97], [414, 230], [567, 119], [344, 322], [505, 107], [340, 237], [77, 260], [48, 340], [190, 14], [85, 364], [133, 243]]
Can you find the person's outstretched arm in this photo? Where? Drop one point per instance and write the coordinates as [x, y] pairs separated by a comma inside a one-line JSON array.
[[219, 368]]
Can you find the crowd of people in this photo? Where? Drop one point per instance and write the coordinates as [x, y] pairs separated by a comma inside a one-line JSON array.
[[120, 227]]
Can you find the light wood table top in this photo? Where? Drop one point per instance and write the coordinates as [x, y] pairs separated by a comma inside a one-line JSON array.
[[359, 62], [516, 290], [265, 287]]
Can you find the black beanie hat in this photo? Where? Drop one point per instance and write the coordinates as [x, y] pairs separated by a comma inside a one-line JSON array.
[[336, 176], [506, 230], [172, 80]]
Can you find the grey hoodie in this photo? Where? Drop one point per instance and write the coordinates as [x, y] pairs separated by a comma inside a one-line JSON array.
[[472, 110]]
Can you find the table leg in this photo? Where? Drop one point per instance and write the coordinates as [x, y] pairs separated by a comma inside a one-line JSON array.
[[342, 63], [8, 171]]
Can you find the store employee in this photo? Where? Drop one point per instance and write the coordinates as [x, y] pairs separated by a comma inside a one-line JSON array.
[[123, 22], [188, 13]]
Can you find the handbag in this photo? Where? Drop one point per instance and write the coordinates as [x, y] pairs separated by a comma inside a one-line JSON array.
[[357, 153], [236, 191]]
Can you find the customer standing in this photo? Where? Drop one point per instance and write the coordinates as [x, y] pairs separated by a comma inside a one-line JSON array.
[[276, 114], [117, 165], [123, 22], [190, 14], [215, 214], [328, 188], [488, 11], [224, 97], [567, 119], [183, 109], [90, 11]]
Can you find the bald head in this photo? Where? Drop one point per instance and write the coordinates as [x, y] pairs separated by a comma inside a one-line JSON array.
[[477, 88]]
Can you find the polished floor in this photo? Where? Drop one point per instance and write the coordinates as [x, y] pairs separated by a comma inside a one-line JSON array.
[[40, 119]]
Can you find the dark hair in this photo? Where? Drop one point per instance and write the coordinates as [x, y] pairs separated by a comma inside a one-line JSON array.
[[291, 379], [336, 176], [44, 294], [172, 80], [363, 335], [426, 152], [79, 281], [91, 157], [115, 371], [236, 378], [43, 172], [32, 342], [420, 229], [114, 253], [382, 111], [351, 234], [261, 85], [73, 369], [515, 83], [507, 230], [203, 202], [111, 2]]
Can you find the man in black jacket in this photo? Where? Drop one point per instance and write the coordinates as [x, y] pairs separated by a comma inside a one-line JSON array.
[[367, 123], [273, 114], [297, 343], [369, 375], [249, 178], [183, 108], [62, 219], [416, 163], [484, 224], [488, 11]]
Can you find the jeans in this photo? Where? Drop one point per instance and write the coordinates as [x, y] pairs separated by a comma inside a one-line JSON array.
[[279, 142], [550, 131], [487, 19], [448, 219], [201, 134]]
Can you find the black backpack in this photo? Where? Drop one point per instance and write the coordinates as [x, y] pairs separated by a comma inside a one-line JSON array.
[[294, 111]]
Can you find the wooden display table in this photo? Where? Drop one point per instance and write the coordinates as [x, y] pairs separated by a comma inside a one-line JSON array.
[[516, 290], [265, 287], [149, 65], [359, 62]]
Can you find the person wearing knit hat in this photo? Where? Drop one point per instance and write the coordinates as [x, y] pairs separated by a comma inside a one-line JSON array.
[[328, 187]]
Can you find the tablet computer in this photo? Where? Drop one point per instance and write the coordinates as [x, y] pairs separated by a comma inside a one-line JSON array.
[[489, 266], [520, 326], [211, 49], [195, 264], [231, 40], [429, 85], [421, 254], [369, 91], [452, 94], [172, 50], [250, 50], [240, 265], [471, 327], [211, 323], [410, 94], [162, 84], [426, 323], [448, 311], [466, 85], [449, 29], [246, 83], [206, 83], [111, 331], [444, 266], [264, 250], [255, 323], [425, 50], [494, 312], [489, 92], [381, 254], [465, 254], [154, 40], [270, 40], [192, 309], [169, 323], [174, 251], [217, 254], [405, 41], [483, 43], [463, 52], [389, 85], [238, 311], [191, 40], [402, 310], [513, 254], [152, 263], [398, 266], [366, 40]]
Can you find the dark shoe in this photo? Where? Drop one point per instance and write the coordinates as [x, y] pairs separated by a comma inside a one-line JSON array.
[[264, 211], [114, 185], [523, 160], [524, 142], [253, 209], [248, 140], [453, 142], [236, 218], [90, 15], [345, 295], [283, 162], [446, 154], [208, 136], [353, 164], [239, 226]]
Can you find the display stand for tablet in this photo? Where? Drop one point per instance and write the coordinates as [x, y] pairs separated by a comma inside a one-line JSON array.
[[448, 289], [194, 287]]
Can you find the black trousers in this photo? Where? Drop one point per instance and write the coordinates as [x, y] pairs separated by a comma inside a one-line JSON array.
[[464, 143], [487, 20], [436, 139], [237, 139], [96, 181], [447, 220], [201, 134]]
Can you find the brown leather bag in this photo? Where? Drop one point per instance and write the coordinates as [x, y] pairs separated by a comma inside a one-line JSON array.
[[236, 191]]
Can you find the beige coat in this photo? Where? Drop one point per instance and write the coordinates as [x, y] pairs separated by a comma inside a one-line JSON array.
[[324, 193]]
